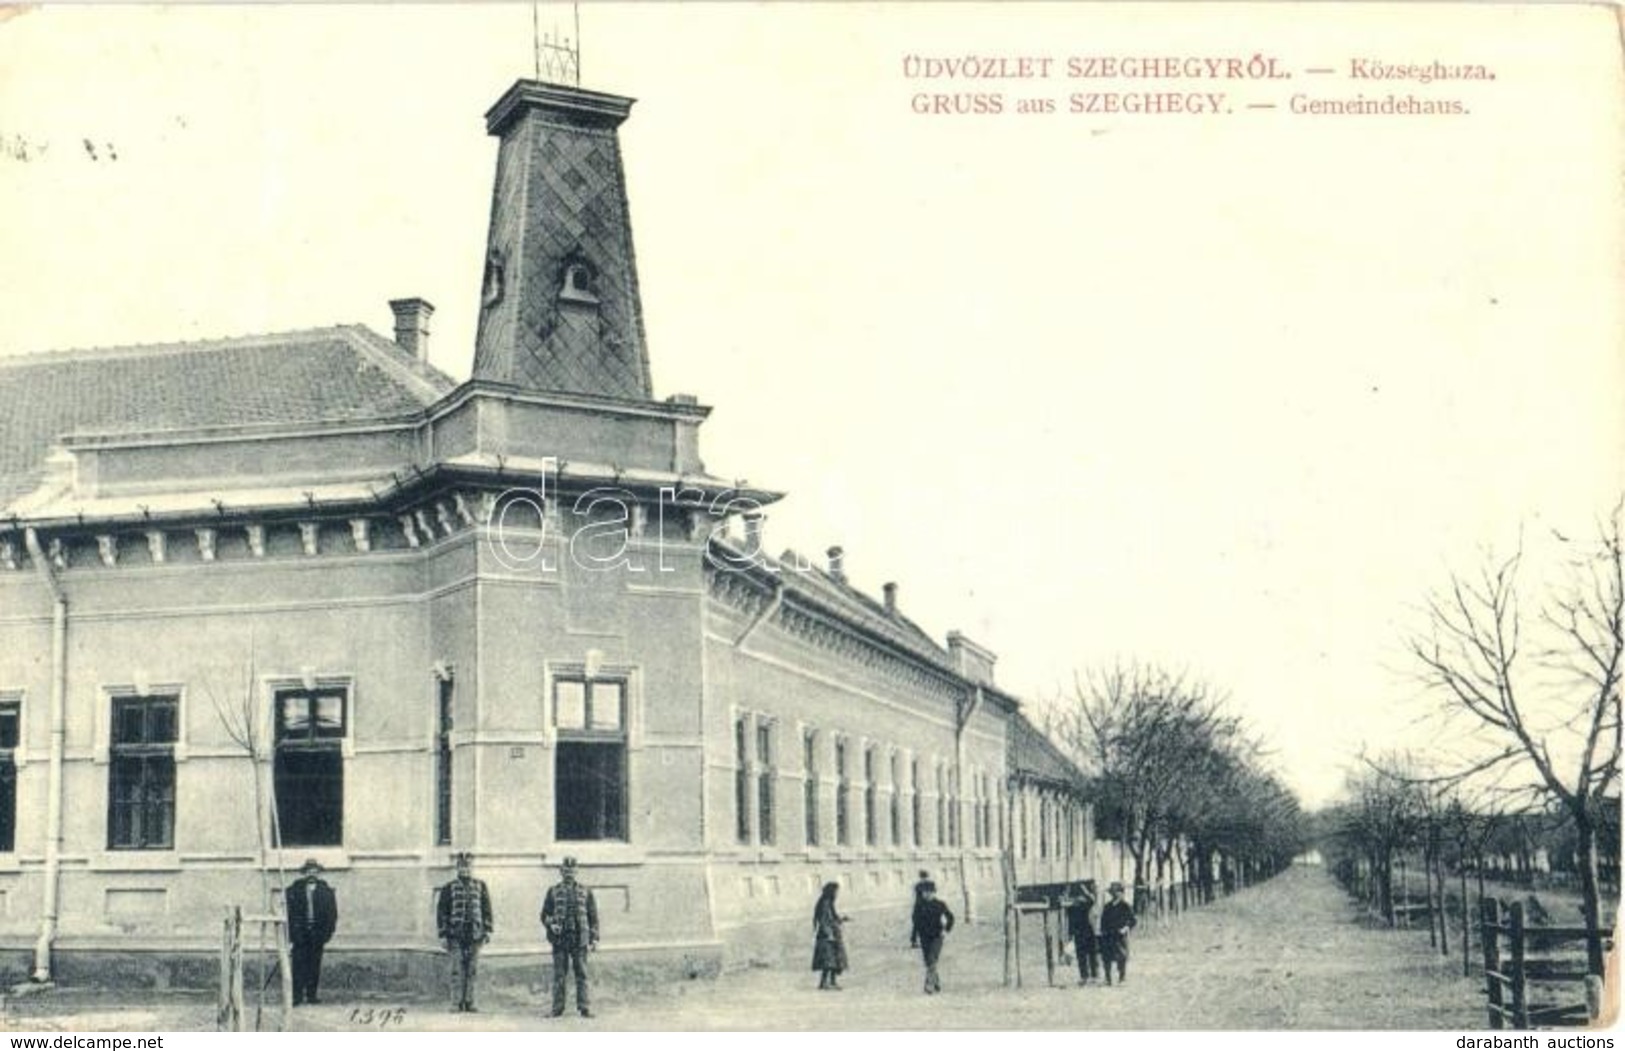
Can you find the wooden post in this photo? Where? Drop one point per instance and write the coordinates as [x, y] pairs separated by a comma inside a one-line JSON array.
[[1443, 913], [1012, 956], [223, 1019], [1049, 949], [1593, 996], [1017, 912], [1401, 914], [1009, 973], [1466, 941], [284, 961], [1520, 1002], [1490, 917]]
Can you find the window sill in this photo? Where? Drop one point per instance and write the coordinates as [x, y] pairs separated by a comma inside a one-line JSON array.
[[590, 852], [327, 857], [9, 862], [136, 861]]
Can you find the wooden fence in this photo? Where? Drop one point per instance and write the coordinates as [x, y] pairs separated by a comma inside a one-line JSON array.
[[1528, 987]]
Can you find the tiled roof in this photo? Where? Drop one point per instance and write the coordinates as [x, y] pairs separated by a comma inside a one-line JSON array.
[[859, 608], [1034, 755], [332, 375]]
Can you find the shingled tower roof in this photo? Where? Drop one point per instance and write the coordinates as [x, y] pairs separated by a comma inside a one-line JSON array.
[[559, 307]]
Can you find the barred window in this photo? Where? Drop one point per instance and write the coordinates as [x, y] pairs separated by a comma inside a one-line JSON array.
[[869, 830], [766, 774], [442, 763], [914, 802], [942, 807], [843, 791], [809, 785], [896, 800], [10, 733], [741, 782]]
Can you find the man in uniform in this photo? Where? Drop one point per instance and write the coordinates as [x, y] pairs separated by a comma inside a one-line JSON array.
[[313, 913], [570, 917], [1116, 920], [463, 919]]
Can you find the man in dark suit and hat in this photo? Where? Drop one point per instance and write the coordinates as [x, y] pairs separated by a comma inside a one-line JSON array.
[[1116, 920], [313, 914], [570, 917], [463, 919], [932, 922]]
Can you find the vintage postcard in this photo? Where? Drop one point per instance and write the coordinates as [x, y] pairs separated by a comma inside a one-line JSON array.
[[810, 516]]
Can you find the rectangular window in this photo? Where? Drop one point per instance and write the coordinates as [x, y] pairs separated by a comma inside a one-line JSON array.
[[843, 792], [309, 775], [914, 802], [589, 791], [987, 810], [942, 807], [11, 714], [953, 808], [141, 778], [442, 764], [766, 773], [809, 787], [741, 782], [1021, 819], [869, 830], [896, 801], [976, 809], [1043, 828]]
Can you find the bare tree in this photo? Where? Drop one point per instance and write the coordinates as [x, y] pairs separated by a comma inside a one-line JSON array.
[[1551, 709], [1379, 822], [1147, 735], [240, 716]]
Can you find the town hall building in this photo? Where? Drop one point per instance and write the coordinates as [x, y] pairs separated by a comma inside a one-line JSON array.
[[304, 595]]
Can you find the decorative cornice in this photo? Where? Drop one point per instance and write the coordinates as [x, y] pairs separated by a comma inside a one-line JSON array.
[[825, 631]]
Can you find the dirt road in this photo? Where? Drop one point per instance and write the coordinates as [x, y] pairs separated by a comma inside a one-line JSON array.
[[1288, 954]]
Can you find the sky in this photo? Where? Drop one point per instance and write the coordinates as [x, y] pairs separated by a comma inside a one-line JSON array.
[[1229, 392]]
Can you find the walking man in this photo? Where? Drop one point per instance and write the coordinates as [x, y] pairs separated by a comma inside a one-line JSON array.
[[570, 917], [919, 885], [1081, 929], [932, 922], [313, 913], [1116, 920], [463, 919]]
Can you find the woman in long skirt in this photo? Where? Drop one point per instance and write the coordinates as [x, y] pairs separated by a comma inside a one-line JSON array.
[[829, 947]]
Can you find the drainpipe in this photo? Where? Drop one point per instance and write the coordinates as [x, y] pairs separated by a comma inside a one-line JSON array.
[[53, 815], [967, 709]]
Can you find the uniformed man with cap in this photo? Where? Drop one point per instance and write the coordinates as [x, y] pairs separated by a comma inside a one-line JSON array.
[[313, 913], [463, 919], [570, 917]]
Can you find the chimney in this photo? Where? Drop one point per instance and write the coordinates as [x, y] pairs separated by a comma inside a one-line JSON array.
[[837, 564], [412, 326], [890, 590], [753, 532]]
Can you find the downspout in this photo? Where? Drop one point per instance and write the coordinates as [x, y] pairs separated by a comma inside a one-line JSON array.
[[53, 815], [967, 709]]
